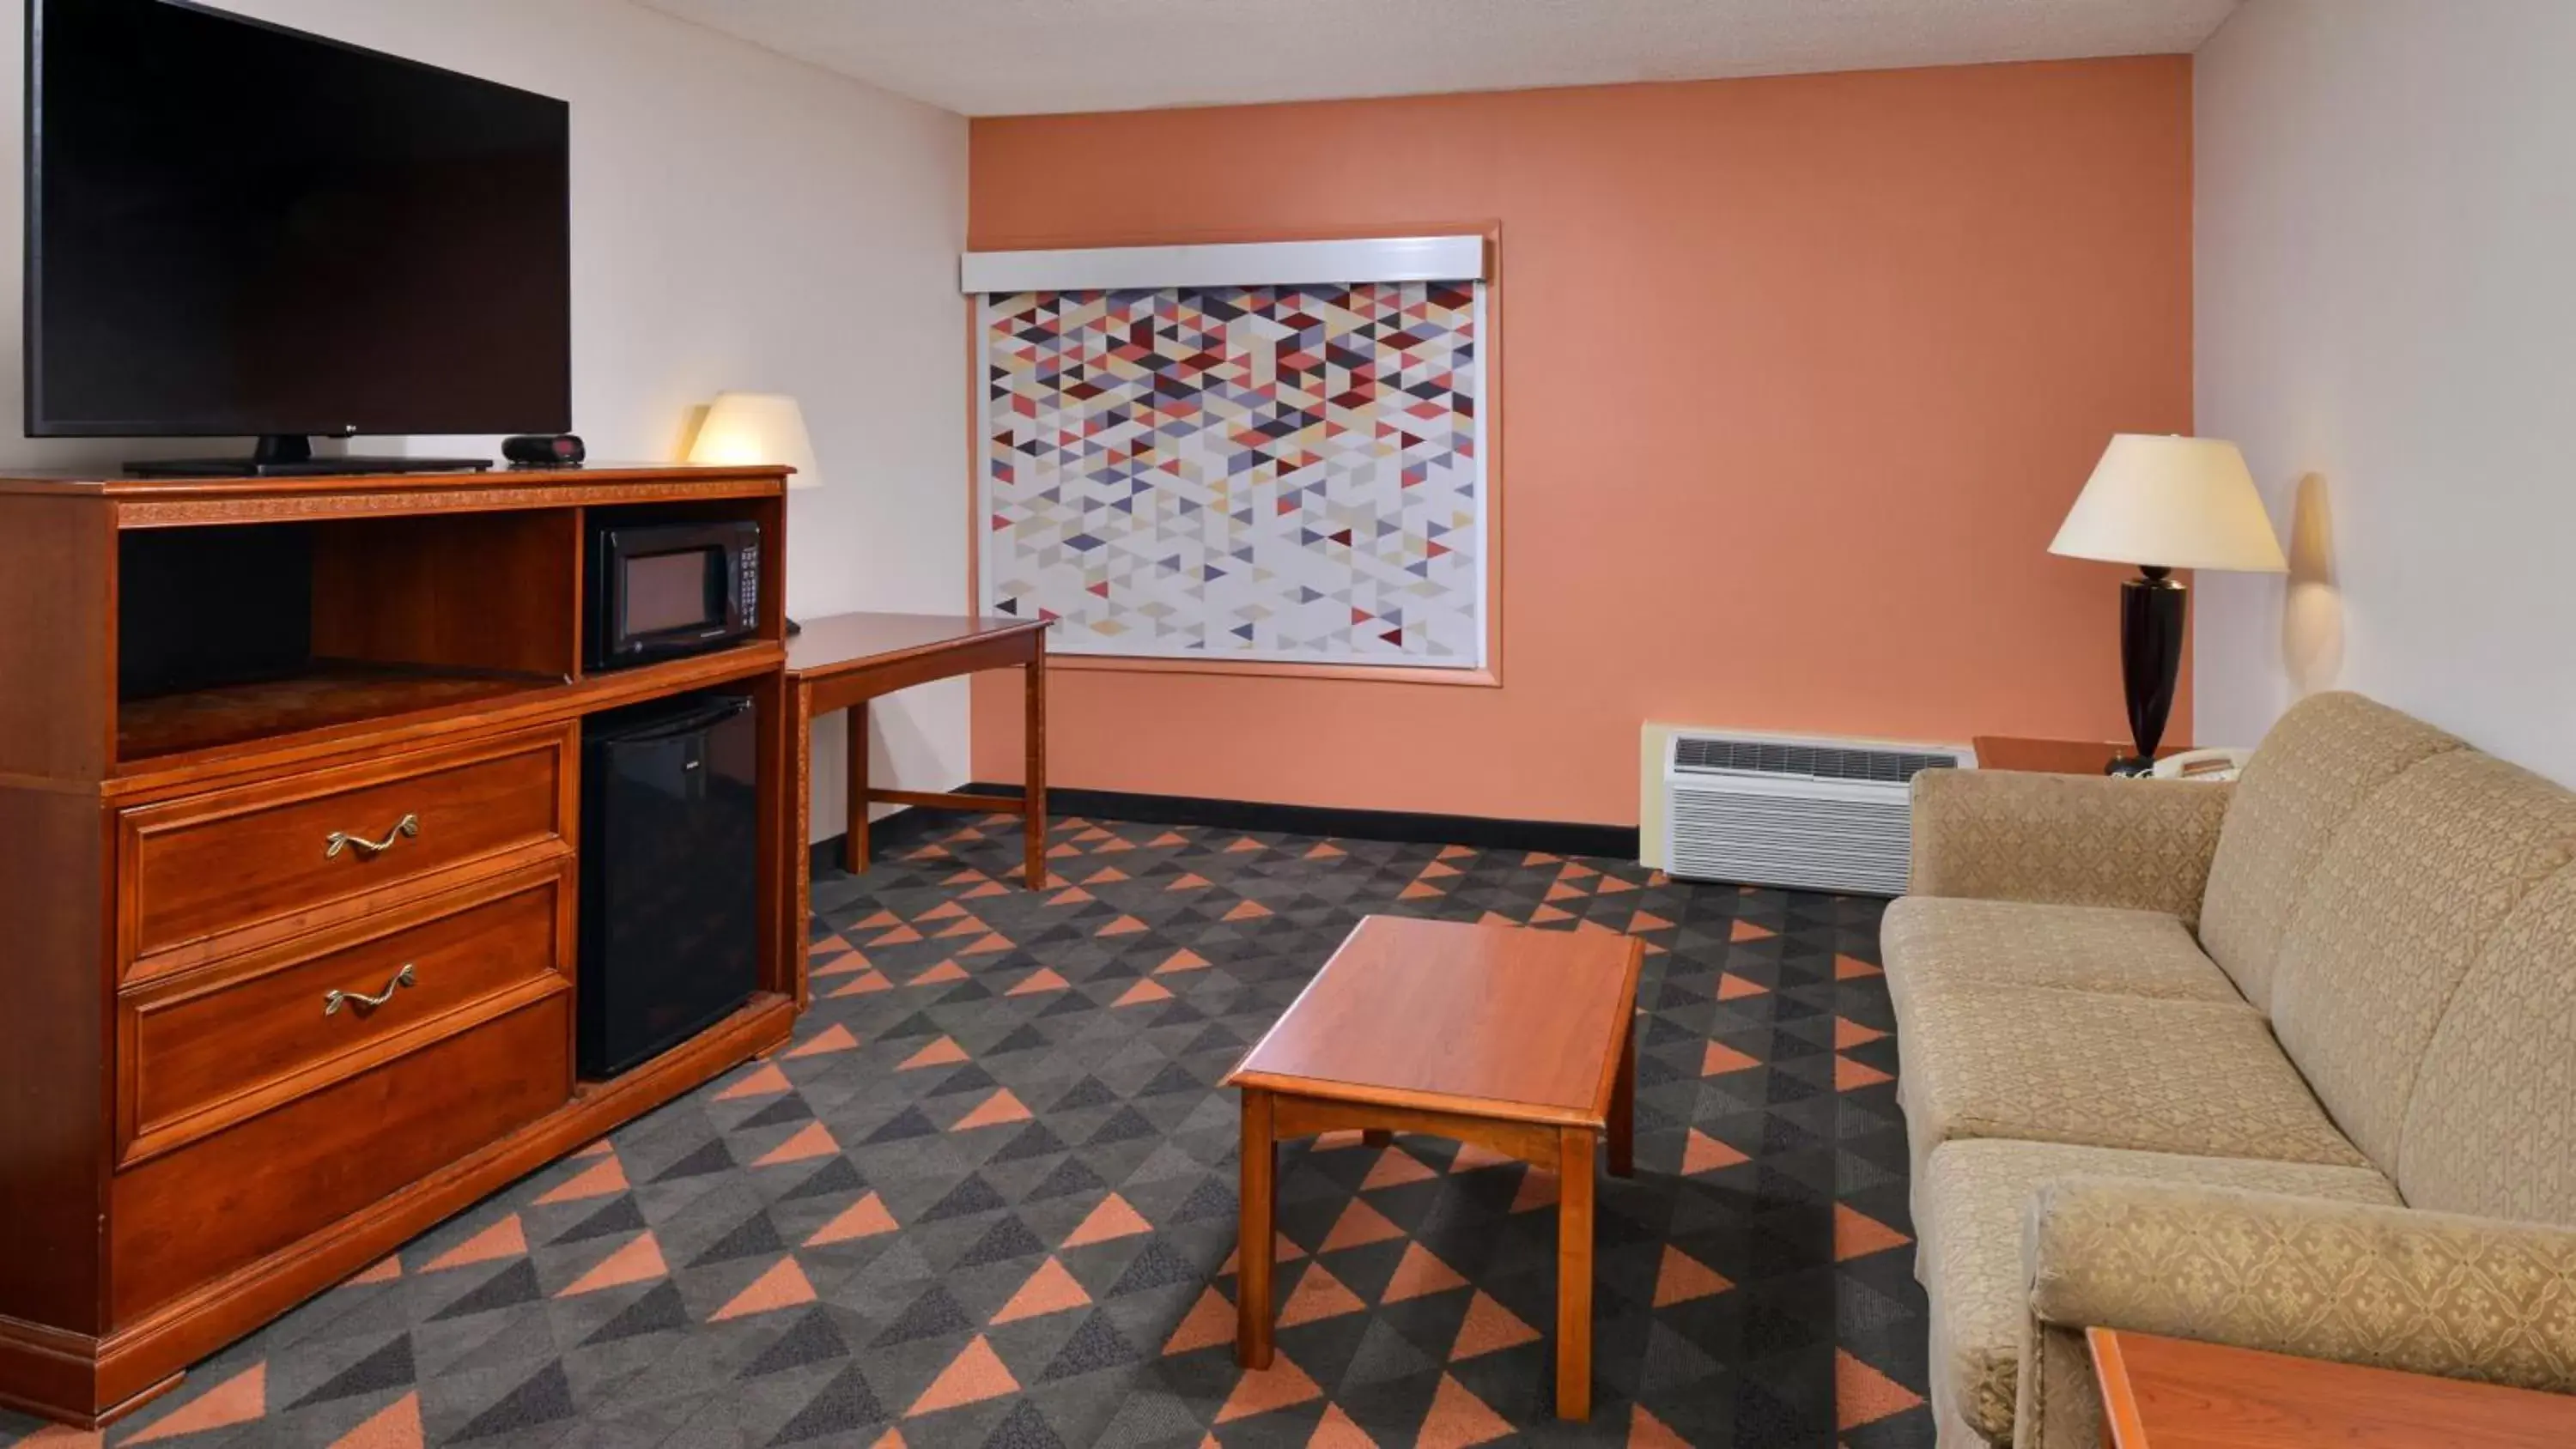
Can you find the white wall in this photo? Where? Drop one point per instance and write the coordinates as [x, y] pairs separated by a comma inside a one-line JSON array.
[[739, 221], [2386, 321]]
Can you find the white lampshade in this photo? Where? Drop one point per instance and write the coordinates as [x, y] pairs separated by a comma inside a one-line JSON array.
[[757, 427], [2172, 502]]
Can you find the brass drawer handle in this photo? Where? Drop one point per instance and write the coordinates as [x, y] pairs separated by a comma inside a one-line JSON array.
[[331, 999], [340, 840]]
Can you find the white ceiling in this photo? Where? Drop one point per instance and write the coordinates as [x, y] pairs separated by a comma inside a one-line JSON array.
[[1018, 57]]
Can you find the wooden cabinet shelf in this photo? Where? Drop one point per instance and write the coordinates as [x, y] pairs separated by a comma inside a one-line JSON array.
[[173, 738], [333, 693]]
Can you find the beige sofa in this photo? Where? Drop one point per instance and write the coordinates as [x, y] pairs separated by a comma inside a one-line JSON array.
[[2288, 1064]]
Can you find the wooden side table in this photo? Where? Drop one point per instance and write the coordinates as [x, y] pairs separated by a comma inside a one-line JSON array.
[[2053, 757], [2171, 1393]]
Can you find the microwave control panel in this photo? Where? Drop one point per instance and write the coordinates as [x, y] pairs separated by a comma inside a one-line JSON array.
[[747, 592]]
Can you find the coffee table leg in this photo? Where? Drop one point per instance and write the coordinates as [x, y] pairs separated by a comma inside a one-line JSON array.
[[1377, 1137], [1252, 1253], [1623, 1108], [1574, 1272]]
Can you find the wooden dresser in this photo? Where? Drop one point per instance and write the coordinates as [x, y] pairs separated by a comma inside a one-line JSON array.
[[286, 959]]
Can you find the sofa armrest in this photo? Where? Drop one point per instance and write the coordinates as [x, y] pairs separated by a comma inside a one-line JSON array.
[[2391, 1287], [2395, 1287], [2074, 840]]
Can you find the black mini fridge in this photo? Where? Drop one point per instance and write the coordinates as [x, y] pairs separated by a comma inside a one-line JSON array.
[[670, 889]]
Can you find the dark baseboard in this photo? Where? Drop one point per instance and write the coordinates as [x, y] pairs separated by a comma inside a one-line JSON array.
[[1555, 837]]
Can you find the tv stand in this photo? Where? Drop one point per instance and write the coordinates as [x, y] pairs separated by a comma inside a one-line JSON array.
[[190, 863], [290, 455]]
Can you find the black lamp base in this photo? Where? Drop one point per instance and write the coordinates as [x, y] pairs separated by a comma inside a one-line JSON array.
[[2151, 620], [2129, 765]]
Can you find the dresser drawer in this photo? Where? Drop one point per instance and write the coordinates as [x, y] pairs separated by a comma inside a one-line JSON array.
[[285, 851], [190, 1216], [206, 1049]]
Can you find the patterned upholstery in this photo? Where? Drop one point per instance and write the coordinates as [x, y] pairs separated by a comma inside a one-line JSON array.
[[2404, 911], [1930, 943], [2400, 1288], [2066, 839], [2060, 1404], [1971, 1249], [2197, 1078], [2492, 1125], [2394, 914], [2323, 758]]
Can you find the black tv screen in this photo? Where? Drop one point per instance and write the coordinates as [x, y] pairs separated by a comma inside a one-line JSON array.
[[237, 229]]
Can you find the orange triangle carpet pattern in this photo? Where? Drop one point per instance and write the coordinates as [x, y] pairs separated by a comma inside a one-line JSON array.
[[987, 1196]]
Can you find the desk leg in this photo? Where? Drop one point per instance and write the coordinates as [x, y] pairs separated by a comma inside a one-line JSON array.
[[1253, 1251], [1623, 1107], [1034, 769], [854, 846], [1574, 1272]]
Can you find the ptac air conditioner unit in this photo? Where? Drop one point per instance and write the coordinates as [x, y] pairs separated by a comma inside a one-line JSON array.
[[1780, 810]]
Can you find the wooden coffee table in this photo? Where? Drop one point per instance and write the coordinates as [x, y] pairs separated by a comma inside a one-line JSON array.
[[1519, 1040]]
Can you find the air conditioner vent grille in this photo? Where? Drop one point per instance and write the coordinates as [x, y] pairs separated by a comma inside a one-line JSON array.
[[1805, 812], [1711, 755], [1829, 845]]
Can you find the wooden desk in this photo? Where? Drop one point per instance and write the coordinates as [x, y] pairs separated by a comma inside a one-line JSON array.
[[845, 660], [2169, 1393], [1519, 1040], [2054, 757]]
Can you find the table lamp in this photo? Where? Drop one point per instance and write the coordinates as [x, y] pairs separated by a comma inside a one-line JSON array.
[[2165, 503], [758, 427]]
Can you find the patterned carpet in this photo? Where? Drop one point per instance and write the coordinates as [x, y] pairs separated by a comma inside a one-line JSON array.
[[987, 1199]]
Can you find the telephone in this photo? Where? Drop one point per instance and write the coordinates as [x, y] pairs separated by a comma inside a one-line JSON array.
[[2216, 764]]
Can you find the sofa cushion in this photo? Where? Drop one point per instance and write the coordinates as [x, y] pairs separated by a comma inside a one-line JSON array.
[[2394, 913], [2491, 1127], [1970, 1239], [2200, 1078], [2320, 761], [1930, 943]]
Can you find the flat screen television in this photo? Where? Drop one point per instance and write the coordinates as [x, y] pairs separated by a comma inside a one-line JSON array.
[[236, 229]]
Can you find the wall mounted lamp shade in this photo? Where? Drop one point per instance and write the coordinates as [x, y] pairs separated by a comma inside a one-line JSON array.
[[2165, 503], [757, 427]]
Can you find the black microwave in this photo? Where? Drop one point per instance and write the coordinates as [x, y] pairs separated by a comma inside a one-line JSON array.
[[662, 590]]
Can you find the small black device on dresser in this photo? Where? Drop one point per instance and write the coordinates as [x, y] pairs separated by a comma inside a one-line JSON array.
[[544, 450], [663, 590]]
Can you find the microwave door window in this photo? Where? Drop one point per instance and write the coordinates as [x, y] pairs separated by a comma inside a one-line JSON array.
[[669, 591]]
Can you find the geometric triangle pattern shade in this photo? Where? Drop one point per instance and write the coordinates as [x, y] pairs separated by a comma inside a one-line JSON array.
[[987, 1194], [1269, 473]]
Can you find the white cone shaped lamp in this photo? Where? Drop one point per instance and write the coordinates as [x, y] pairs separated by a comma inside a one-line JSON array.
[[2165, 503]]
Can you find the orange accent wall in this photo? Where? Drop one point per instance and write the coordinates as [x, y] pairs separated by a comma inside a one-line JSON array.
[[1798, 376]]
